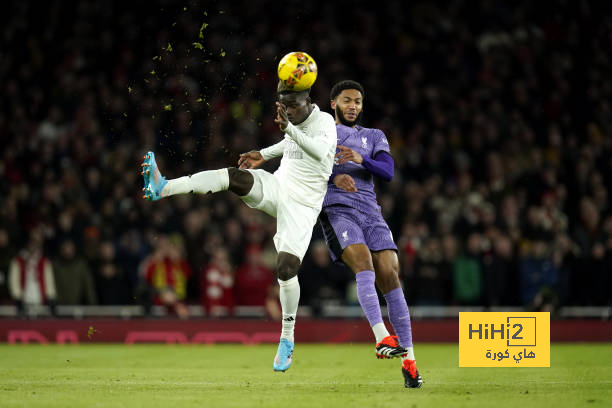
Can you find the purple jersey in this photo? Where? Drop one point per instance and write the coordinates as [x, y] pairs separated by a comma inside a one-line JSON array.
[[367, 142]]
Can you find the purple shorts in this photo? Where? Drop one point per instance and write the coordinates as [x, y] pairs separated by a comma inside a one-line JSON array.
[[344, 226]]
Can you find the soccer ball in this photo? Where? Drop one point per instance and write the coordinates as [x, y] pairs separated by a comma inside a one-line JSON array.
[[297, 71]]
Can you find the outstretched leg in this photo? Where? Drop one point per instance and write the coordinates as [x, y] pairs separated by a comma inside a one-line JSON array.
[[204, 182]]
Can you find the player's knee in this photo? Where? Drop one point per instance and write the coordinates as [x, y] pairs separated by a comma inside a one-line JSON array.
[[240, 181], [357, 257], [285, 272], [362, 266], [387, 278], [287, 266]]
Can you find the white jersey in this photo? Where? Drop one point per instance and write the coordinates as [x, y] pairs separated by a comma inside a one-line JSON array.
[[308, 152]]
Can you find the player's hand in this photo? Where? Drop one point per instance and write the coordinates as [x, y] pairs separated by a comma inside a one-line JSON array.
[[345, 182], [347, 154], [250, 160], [281, 116]]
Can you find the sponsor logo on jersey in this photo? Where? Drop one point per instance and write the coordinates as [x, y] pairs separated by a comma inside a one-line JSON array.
[[293, 151]]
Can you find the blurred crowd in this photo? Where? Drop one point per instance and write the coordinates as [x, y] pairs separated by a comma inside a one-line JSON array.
[[499, 119]]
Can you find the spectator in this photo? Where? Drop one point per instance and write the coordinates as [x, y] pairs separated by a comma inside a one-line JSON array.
[[217, 290], [590, 272], [6, 254], [539, 277], [433, 275], [110, 279], [321, 280], [607, 283], [467, 273], [131, 250], [255, 285], [31, 280], [166, 273], [73, 279], [500, 273]]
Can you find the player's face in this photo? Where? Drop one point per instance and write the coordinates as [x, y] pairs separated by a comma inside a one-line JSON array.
[[348, 106], [297, 106]]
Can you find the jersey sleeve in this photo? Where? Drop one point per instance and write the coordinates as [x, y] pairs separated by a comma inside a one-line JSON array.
[[273, 151], [317, 144], [382, 166], [380, 143]]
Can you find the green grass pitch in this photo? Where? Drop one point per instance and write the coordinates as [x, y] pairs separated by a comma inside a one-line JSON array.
[[346, 375]]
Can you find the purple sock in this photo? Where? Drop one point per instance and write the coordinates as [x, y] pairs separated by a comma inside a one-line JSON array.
[[368, 299], [399, 316]]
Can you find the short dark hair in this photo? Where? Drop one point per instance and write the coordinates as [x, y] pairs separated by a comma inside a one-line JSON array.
[[281, 89], [346, 84], [305, 92]]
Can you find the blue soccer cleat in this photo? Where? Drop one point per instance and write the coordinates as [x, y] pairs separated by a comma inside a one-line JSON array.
[[284, 355], [154, 182]]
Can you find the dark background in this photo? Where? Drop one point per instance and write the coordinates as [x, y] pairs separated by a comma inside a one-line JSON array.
[[498, 114]]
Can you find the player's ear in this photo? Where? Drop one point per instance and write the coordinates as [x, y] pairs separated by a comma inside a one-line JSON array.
[[333, 104]]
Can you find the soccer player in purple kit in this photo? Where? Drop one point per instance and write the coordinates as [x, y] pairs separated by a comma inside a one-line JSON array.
[[355, 231]]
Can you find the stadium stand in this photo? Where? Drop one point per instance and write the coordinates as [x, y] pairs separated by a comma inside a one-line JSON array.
[[499, 119]]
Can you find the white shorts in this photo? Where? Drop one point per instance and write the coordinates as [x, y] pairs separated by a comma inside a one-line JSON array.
[[294, 221]]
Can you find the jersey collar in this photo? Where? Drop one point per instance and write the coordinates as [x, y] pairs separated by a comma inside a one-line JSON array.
[[357, 127], [310, 118]]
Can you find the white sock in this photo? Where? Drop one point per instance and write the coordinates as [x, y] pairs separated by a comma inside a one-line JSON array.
[[204, 182], [380, 331], [289, 299], [409, 355]]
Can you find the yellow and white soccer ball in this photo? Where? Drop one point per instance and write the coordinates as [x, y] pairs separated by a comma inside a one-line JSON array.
[[297, 71]]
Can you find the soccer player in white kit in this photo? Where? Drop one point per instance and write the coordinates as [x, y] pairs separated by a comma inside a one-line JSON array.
[[293, 194]]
